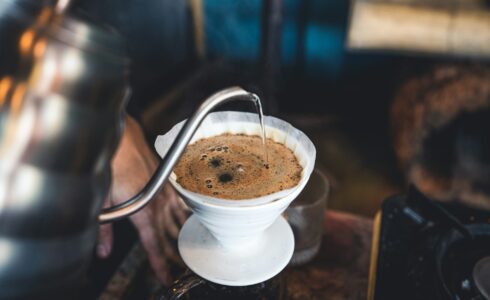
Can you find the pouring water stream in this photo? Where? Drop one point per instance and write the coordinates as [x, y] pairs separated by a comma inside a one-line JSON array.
[[258, 108]]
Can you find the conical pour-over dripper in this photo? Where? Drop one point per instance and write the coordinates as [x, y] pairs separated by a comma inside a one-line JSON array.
[[238, 224]]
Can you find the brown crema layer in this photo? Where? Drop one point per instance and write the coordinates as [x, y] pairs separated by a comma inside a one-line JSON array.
[[233, 166]]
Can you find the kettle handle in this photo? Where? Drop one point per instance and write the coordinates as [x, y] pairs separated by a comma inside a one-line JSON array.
[[168, 162], [182, 286]]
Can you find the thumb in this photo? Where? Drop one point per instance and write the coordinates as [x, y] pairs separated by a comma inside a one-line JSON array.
[[104, 242]]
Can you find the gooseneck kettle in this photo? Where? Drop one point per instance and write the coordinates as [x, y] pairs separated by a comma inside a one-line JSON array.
[[61, 117]]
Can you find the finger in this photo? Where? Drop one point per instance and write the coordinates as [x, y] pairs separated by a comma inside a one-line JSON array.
[[169, 223], [104, 243], [105, 238], [168, 232], [159, 264], [181, 216], [181, 211], [169, 248]]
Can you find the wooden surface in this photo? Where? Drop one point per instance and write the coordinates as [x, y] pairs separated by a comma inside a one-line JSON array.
[[339, 271]]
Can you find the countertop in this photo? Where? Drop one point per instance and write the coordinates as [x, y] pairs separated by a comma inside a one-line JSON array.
[[339, 271]]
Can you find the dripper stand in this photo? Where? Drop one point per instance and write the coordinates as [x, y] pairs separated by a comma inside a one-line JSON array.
[[242, 265]]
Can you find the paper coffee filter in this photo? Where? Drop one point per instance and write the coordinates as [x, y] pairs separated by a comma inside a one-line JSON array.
[[246, 123]]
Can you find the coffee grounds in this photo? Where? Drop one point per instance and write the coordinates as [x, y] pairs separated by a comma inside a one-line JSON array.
[[232, 166]]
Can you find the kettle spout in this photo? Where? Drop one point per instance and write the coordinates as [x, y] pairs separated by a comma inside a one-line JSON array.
[[167, 164]]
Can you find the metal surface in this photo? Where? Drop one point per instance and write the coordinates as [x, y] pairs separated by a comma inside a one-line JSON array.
[[481, 275], [15, 17], [166, 165], [60, 119]]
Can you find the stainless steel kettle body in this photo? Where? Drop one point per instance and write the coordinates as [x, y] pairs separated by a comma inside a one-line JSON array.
[[60, 120], [15, 17]]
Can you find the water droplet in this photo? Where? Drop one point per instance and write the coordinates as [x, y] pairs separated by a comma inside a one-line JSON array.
[[209, 186]]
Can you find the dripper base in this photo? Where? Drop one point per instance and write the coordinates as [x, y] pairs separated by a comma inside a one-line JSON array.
[[237, 266]]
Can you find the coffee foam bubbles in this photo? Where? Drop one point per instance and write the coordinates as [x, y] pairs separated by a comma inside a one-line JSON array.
[[232, 166]]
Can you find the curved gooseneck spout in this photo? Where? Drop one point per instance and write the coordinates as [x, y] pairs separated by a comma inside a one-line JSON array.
[[167, 164]]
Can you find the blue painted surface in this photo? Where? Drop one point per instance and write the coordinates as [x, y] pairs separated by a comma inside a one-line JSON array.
[[233, 31], [232, 28]]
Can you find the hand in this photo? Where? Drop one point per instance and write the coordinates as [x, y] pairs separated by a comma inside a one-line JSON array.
[[160, 221]]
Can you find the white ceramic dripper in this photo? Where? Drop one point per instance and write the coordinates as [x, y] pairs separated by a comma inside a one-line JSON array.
[[239, 224]]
